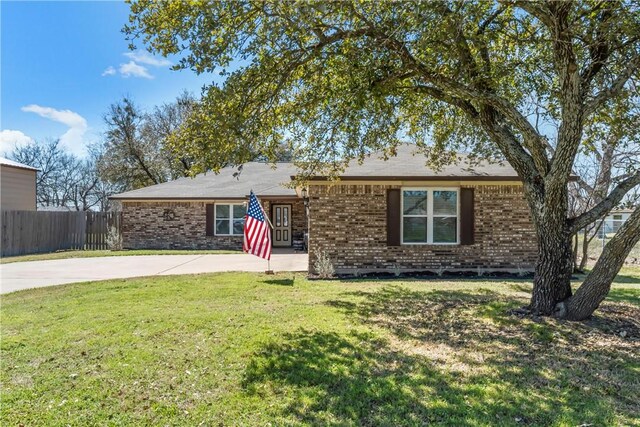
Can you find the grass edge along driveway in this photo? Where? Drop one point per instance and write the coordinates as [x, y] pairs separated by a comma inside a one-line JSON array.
[[103, 253], [250, 349]]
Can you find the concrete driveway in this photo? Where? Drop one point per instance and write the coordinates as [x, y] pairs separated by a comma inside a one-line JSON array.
[[35, 274]]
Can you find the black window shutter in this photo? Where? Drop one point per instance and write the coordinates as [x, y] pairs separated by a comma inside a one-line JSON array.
[[209, 219], [467, 216], [393, 217]]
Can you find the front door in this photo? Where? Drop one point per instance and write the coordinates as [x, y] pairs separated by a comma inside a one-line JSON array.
[[281, 225]]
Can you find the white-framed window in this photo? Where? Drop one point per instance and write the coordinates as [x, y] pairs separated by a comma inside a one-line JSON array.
[[430, 216], [229, 219]]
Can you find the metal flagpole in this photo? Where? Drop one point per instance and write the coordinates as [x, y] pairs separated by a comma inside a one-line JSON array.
[[270, 225]]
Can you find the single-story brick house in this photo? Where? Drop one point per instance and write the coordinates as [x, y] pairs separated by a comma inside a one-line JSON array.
[[382, 216]]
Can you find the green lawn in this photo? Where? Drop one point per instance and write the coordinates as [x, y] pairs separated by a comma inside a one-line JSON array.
[[93, 254], [256, 350], [595, 250]]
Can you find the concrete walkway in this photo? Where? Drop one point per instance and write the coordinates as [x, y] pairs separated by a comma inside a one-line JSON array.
[[35, 274]]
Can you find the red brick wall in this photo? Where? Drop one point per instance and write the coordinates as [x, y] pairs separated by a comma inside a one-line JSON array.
[[348, 223]]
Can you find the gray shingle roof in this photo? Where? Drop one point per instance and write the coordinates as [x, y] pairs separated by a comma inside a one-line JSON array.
[[410, 163], [269, 182], [261, 177]]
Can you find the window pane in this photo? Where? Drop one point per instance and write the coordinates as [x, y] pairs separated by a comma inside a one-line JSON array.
[[277, 216], [222, 211], [414, 202], [414, 230], [445, 230], [237, 226], [222, 226], [445, 203], [239, 211], [285, 217]]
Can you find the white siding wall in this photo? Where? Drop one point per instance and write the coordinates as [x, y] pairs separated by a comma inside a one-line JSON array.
[[17, 189], [614, 221]]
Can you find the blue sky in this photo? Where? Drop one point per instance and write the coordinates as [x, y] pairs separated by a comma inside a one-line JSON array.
[[63, 64]]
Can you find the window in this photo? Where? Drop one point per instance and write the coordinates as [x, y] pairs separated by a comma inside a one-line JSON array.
[[229, 219], [617, 217], [429, 216]]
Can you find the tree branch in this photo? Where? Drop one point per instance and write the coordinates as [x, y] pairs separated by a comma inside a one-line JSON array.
[[456, 89], [483, 25], [463, 104], [532, 139], [599, 50], [618, 84], [608, 203], [596, 286], [536, 9]]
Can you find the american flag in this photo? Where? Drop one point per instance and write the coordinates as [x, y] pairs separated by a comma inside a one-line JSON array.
[[257, 236]]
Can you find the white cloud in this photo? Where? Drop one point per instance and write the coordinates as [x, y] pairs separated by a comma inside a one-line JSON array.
[[110, 71], [132, 69], [73, 138], [10, 138], [142, 57]]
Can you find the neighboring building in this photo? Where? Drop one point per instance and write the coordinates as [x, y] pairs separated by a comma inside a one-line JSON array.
[[394, 216], [56, 209], [615, 219], [17, 186]]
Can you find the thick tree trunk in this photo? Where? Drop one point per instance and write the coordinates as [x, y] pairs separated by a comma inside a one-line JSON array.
[[552, 279], [598, 283]]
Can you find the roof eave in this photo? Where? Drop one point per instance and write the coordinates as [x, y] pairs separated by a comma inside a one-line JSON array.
[[417, 178], [168, 199], [425, 178], [28, 168]]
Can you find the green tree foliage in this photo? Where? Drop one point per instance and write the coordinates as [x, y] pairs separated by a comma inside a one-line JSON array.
[[339, 79]]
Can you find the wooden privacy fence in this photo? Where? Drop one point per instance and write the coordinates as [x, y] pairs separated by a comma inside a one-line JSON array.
[[27, 232], [98, 227]]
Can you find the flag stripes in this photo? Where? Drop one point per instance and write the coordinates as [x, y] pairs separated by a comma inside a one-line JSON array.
[[257, 235]]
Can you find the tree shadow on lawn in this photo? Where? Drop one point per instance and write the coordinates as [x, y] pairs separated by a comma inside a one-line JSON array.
[[621, 278], [631, 296], [325, 378], [453, 358], [627, 279], [571, 369], [279, 282]]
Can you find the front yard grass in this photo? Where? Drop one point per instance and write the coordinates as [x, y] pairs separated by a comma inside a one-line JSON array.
[[249, 349], [101, 253]]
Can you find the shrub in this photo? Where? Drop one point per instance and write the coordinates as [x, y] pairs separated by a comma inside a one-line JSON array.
[[114, 239], [323, 266]]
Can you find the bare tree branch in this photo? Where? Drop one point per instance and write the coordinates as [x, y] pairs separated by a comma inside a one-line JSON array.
[[608, 203], [599, 49], [618, 84]]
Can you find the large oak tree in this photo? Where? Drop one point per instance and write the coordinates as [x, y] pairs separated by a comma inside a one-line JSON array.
[[340, 79]]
